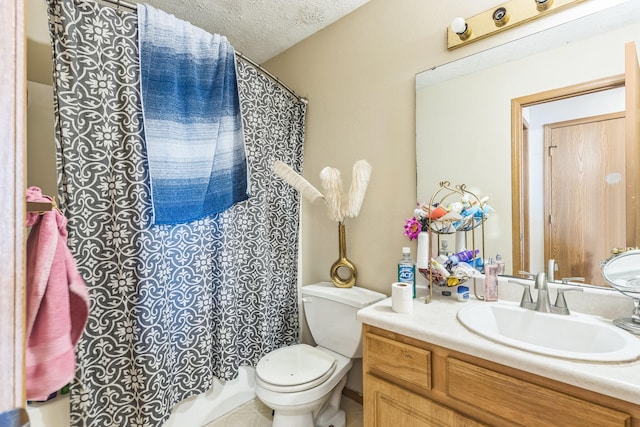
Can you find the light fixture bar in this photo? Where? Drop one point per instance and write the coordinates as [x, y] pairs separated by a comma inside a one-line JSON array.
[[502, 17]]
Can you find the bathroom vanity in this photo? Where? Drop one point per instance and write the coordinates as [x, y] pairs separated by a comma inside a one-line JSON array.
[[426, 369]]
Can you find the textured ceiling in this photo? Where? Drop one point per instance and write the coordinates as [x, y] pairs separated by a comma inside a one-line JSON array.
[[260, 29]]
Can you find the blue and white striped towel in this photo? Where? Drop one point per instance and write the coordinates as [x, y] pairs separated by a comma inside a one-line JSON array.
[[192, 120]]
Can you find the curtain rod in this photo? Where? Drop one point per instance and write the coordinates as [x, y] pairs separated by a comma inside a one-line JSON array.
[[133, 7]]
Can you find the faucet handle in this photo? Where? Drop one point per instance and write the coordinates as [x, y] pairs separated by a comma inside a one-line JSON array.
[[527, 300], [560, 306], [527, 274], [566, 280]]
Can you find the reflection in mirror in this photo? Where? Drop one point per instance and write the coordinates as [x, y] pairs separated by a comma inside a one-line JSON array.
[[622, 272], [571, 157], [463, 124]]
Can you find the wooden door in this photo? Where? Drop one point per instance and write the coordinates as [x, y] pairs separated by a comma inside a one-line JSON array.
[[585, 192], [12, 202]]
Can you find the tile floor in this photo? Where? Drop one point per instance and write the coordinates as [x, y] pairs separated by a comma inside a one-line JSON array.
[[256, 414]]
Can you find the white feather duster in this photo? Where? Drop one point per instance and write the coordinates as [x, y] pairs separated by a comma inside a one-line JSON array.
[[332, 184], [294, 179], [359, 182], [339, 205]]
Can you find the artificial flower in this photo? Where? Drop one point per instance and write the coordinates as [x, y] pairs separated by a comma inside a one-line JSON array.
[[412, 228]]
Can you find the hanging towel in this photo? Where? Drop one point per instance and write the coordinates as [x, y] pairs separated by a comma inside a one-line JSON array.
[[57, 303], [191, 115]]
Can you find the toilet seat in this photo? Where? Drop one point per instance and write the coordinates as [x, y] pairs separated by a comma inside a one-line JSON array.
[[295, 368]]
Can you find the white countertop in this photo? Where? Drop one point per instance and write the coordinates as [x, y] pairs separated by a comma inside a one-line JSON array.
[[436, 323]]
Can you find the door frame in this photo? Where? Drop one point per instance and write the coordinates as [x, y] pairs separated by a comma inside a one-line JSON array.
[[12, 202]]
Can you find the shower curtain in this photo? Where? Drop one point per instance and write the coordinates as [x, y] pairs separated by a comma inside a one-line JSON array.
[[171, 306]]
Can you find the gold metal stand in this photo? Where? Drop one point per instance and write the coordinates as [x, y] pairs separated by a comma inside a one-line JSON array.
[[439, 227]]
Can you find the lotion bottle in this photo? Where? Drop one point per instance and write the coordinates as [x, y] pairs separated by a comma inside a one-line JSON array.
[[491, 280]]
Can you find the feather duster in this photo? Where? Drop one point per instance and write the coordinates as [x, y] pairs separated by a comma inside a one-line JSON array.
[[359, 182], [294, 179], [332, 184], [339, 205]]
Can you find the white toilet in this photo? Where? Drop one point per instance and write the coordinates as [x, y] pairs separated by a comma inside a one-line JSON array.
[[303, 384]]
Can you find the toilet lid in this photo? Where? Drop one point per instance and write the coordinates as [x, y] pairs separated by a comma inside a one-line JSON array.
[[296, 367]]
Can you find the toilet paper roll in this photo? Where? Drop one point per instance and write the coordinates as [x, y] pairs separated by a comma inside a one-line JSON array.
[[401, 297]]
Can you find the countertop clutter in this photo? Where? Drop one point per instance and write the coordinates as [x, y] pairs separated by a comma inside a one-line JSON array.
[[436, 323]]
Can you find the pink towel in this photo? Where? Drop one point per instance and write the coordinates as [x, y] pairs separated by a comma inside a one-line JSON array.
[[57, 302]]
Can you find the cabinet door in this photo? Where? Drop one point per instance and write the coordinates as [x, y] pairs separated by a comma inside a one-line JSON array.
[[398, 362], [388, 405], [524, 403]]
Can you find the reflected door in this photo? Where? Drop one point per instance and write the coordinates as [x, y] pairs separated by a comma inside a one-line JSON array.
[[585, 187]]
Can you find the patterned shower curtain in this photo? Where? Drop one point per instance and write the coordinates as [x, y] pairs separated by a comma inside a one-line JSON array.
[[171, 306]]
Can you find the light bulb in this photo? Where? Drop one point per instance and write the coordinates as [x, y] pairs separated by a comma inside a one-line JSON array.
[[458, 25]]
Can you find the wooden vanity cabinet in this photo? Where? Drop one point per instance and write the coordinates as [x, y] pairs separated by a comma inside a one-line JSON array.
[[411, 383]]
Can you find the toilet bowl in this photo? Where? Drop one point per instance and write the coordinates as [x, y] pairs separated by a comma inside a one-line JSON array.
[[298, 404], [303, 384]]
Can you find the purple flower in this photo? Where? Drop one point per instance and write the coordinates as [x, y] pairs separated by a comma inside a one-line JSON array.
[[412, 228]]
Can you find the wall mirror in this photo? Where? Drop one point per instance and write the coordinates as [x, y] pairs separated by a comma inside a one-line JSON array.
[[464, 124]]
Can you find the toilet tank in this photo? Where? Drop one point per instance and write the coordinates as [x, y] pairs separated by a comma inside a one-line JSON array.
[[331, 315]]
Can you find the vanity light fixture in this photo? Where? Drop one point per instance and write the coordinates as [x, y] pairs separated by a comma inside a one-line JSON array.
[[506, 15]]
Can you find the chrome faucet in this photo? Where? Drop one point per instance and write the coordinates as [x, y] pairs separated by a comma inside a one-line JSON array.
[[542, 303]]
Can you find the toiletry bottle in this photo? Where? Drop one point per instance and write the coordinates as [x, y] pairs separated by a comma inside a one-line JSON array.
[[442, 271], [444, 248], [500, 263], [467, 255], [491, 280], [407, 269]]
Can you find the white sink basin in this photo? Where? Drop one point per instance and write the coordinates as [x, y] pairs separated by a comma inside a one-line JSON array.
[[577, 336]]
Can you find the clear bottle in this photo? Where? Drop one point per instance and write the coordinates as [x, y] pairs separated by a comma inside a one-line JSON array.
[[491, 280], [500, 263], [444, 248], [407, 269]]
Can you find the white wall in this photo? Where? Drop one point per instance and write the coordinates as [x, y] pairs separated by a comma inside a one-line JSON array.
[[41, 150]]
